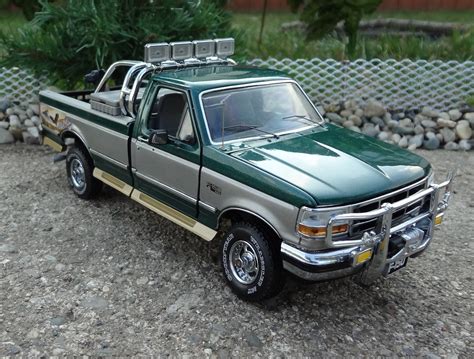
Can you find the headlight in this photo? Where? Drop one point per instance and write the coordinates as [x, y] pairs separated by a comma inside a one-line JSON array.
[[313, 222]]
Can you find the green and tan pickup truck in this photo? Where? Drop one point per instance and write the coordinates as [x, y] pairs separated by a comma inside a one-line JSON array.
[[241, 155]]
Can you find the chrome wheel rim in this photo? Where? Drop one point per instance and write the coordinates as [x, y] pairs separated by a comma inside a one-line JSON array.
[[243, 262], [78, 176]]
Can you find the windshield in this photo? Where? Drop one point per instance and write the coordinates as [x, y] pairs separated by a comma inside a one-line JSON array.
[[268, 110]]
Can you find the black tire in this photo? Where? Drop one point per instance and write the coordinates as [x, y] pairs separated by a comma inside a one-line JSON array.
[[77, 161], [247, 246]]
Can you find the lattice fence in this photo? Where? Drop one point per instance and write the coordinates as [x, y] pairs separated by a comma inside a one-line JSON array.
[[398, 84], [20, 85]]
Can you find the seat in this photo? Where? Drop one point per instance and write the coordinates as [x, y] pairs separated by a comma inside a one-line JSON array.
[[168, 113]]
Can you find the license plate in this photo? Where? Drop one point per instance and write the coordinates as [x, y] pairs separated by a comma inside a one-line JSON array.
[[394, 266]]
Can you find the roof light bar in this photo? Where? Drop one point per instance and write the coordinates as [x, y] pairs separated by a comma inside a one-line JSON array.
[[190, 53], [182, 50], [204, 48], [225, 47], [157, 52]]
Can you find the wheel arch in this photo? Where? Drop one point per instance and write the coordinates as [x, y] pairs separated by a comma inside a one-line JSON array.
[[78, 141], [238, 214]]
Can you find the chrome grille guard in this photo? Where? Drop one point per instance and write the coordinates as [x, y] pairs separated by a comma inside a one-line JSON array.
[[384, 228]]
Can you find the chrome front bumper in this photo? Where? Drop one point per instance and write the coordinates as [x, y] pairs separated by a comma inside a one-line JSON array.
[[341, 257]]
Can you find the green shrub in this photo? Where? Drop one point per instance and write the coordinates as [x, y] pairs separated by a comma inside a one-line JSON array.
[[69, 39]]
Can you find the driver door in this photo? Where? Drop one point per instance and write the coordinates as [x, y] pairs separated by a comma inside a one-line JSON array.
[[169, 172]]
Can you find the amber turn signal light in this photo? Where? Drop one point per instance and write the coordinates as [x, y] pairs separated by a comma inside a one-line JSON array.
[[321, 231], [439, 219]]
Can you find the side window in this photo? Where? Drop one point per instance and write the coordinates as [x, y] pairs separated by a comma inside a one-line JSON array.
[[170, 112]]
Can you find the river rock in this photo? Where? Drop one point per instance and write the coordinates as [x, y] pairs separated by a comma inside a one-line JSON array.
[[374, 109], [392, 124], [419, 129], [334, 117], [377, 121], [332, 107], [36, 120], [444, 116], [464, 145], [9, 111], [445, 123], [348, 124], [6, 136], [429, 112], [403, 130], [448, 135], [355, 119], [370, 129], [451, 146], [396, 137], [403, 143], [350, 105], [383, 136], [406, 122], [428, 124], [4, 124], [29, 123], [14, 121], [431, 142], [4, 104], [416, 140], [454, 115], [463, 130], [345, 113], [469, 116], [359, 112]]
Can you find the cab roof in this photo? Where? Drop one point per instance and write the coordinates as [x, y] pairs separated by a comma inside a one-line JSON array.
[[214, 76]]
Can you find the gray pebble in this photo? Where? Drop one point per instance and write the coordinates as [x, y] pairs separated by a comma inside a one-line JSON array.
[[455, 114]]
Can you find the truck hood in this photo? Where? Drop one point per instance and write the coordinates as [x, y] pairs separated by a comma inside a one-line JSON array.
[[337, 166]]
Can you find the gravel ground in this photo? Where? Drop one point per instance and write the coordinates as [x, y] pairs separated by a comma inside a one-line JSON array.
[[109, 277]]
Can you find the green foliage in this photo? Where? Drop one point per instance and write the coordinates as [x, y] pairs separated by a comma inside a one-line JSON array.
[[69, 39], [322, 16], [29, 7], [470, 101]]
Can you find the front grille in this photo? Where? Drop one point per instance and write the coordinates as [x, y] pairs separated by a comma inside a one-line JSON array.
[[359, 227]]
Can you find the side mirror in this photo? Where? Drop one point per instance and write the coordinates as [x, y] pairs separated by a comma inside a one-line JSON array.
[[158, 137]]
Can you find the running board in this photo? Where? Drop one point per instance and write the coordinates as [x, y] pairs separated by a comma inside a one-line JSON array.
[[112, 181], [174, 216]]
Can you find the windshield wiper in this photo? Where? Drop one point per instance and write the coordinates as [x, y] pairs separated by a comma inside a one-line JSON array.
[[251, 127]]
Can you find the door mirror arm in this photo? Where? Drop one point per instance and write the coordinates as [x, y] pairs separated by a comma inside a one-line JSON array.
[[158, 137]]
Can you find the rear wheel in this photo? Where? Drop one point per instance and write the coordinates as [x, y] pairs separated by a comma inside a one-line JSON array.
[[251, 263], [79, 174]]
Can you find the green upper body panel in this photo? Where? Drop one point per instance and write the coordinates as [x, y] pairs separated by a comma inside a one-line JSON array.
[[333, 165]]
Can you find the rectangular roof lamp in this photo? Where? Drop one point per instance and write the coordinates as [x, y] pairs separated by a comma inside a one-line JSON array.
[[158, 52], [225, 47], [204, 48], [182, 50]]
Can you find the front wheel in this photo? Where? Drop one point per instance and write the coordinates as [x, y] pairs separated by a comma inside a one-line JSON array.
[[251, 262]]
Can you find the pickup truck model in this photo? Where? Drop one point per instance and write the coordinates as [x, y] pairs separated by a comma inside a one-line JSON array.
[[241, 154]]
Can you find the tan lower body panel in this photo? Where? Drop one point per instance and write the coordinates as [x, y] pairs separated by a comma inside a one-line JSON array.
[[112, 181], [54, 145], [175, 216]]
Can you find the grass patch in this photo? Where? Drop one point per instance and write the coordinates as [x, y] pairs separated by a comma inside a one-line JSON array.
[[10, 21], [292, 44]]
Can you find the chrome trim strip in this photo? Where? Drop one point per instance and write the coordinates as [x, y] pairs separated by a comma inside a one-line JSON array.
[[166, 188], [255, 84], [107, 158], [207, 207]]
